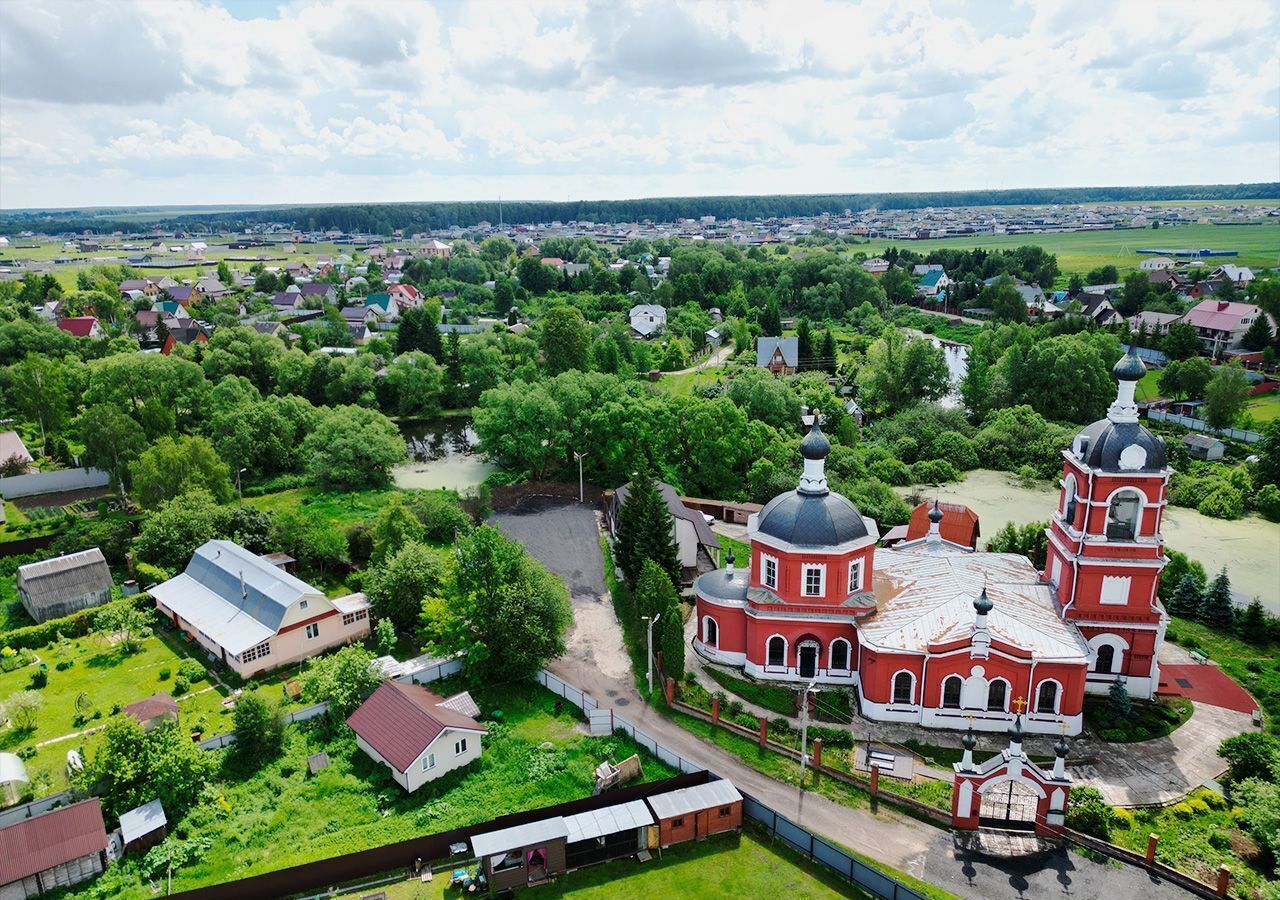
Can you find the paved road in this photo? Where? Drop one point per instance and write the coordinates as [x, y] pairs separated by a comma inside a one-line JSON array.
[[565, 538]]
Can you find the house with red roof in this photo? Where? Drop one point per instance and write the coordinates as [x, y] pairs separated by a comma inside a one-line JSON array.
[[83, 327], [1221, 324], [958, 523], [57, 849], [417, 734], [406, 295]]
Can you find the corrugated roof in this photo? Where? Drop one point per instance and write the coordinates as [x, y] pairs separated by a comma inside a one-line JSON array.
[[925, 597], [495, 842], [610, 820], [56, 579], [462, 703], [399, 721], [692, 799], [141, 821], [50, 839]]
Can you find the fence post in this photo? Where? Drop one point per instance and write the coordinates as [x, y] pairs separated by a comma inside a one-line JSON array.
[[715, 711], [1224, 879], [671, 690], [764, 732], [1152, 840], [875, 779], [817, 752]]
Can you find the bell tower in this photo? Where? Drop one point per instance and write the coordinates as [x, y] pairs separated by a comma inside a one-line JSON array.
[[1106, 551]]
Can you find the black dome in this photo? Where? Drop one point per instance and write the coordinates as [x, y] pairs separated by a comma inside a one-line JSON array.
[[983, 603], [815, 444], [1129, 368], [811, 520], [1105, 440]]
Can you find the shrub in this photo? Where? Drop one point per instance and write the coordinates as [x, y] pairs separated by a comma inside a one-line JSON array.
[[65, 664], [192, 671], [956, 449], [1183, 810], [439, 515], [1088, 812], [1212, 799], [1223, 502], [891, 471], [77, 624], [1220, 840], [165, 672], [1250, 755], [1112, 735], [39, 678], [180, 686], [1267, 500], [934, 471], [1123, 819]]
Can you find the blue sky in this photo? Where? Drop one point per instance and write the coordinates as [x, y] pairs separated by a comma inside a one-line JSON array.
[[237, 101]]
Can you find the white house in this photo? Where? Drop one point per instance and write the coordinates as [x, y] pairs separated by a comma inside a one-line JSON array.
[[690, 531], [417, 734], [648, 320], [1154, 263]]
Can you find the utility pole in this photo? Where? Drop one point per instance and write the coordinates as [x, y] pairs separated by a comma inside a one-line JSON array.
[[804, 728], [578, 456], [652, 622]]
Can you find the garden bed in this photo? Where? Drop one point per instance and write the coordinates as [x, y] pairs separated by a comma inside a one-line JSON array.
[[1146, 721]]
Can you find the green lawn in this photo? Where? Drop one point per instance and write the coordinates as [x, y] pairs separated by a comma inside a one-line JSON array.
[[749, 865], [1080, 251], [1264, 408], [279, 816], [1148, 387], [109, 679]]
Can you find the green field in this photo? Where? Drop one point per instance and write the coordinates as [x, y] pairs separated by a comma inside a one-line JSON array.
[[1259, 245], [724, 866], [1264, 408]]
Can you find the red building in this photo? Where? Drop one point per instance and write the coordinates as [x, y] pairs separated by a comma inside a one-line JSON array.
[[930, 631]]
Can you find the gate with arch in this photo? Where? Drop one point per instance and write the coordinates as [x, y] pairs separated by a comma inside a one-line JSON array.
[[1011, 805], [1009, 792]]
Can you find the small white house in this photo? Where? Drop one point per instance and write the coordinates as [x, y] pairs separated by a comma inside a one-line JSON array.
[[417, 734]]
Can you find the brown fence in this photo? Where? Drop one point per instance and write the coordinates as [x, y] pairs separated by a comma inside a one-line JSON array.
[[509, 495], [325, 873], [23, 546]]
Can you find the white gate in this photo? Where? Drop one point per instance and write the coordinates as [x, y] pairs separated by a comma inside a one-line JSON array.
[[601, 721]]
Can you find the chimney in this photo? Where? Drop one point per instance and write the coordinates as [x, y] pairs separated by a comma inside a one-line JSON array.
[[244, 592]]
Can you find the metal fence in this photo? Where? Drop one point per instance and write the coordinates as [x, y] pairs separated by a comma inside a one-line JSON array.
[[1159, 415], [26, 810], [36, 483], [827, 854]]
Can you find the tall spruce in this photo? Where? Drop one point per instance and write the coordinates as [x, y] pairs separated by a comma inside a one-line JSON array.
[[830, 357], [804, 343], [646, 531], [656, 596], [1252, 623], [771, 319], [1186, 600], [1218, 611]]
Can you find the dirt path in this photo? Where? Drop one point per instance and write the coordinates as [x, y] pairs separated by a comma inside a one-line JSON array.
[[715, 359]]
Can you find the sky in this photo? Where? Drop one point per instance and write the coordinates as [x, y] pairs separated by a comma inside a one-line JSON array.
[[142, 102]]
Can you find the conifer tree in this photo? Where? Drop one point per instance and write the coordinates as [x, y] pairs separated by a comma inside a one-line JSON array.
[[830, 356], [646, 531], [1118, 700], [1252, 623], [804, 343], [1186, 601], [1218, 611], [656, 596]]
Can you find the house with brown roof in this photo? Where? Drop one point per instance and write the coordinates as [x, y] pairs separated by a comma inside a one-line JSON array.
[[958, 525], [83, 327], [153, 710], [417, 734], [57, 849]]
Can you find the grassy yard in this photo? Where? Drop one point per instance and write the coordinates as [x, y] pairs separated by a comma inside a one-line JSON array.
[[317, 506], [1196, 836], [726, 866], [1252, 665], [278, 816], [108, 679], [1264, 408], [831, 706]]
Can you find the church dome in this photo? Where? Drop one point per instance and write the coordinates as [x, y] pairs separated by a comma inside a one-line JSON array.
[[811, 520], [1119, 447], [1129, 367], [815, 444]]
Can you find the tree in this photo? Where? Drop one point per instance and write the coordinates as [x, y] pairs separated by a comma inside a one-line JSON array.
[[1253, 754], [1226, 396], [1259, 334], [259, 727], [398, 588], [829, 356], [353, 448], [1137, 286], [771, 318], [415, 384], [384, 636], [765, 398], [1267, 469], [534, 277], [395, 526], [224, 274], [170, 535], [1089, 812], [502, 609], [656, 596], [1252, 623], [804, 342], [1182, 341], [901, 370], [1004, 301], [1186, 379], [132, 766], [343, 680], [41, 393], [173, 466], [1028, 541], [124, 622], [22, 709], [564, 339], [1118, 702], [1218, 610], [1186, 600], [646, 531], [112, 441]]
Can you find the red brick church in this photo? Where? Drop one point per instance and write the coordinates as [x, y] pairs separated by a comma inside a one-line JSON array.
[[931, 632]]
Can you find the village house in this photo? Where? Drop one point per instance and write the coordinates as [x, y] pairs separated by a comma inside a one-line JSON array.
[[60, 586], [57, 849], [648, 320], [1203, 446], [143, 826], [1237, 275], [1153, 322], [187, 296], [184, 331], [83, 327], [252, 615], [1221, 325], [781, 356], [1098, 309], [1153, 263], [933, 282], [383, 307], [876, 265], [434, 249], [170, 309], [405, 295], [139, 285], [318, 292], [936, 634], [417, 734], [693, 538]]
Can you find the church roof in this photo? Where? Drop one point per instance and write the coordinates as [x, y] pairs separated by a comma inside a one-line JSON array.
[[1101, 444], [926, 599], [812, 520]]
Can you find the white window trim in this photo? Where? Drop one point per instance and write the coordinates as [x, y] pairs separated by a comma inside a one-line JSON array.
[[893, 684], [1143, 503], [1057, 697], [313, 631], [821, 569], [302, 604], [428, 762], [707, 621], [459, 746], [831, 655], [786, 647], [942, 693], [258, 651], [765, 560], [855, 568], [1008, 693]]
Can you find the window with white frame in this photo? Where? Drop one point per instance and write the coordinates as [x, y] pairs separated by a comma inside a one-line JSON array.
[[302, 604], [840, 654], [354, 617], [428, 762], [313, 631], [460, 747], [263, 649], [855, 576], [770, 571], [815, 577], [1115, 589]]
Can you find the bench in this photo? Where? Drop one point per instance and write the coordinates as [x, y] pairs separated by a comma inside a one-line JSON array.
[[882, 759], [1200, 656]]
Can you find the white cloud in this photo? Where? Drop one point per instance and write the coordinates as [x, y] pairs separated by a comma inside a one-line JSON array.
[[329, 100]]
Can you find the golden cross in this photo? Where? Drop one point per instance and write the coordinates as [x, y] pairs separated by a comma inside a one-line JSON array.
[[1019, 705]]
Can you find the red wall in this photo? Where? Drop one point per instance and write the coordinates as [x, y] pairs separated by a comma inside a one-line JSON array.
[[790, 573]]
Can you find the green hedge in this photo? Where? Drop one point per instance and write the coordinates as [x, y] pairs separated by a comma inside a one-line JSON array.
[[77, 624]]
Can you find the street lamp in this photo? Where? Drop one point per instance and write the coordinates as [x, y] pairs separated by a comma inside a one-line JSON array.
[[239, 493], [578, 456], [652, 622]]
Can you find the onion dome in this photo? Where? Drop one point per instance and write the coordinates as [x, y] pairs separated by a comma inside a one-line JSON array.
[[730, 559], [983, 605], [1103, 445], [1060, 748], [815, 444], [1015, 733], [811, 520], [935, 514], [1130, 367], [969, 741]]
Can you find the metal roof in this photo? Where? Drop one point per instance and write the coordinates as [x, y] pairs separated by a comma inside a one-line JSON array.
[[924, 596], [1105, 440], [141, 821], [610, 820], [50, 839], [812, 520], [62, 577], [706, 537], [400, 721], [693, 799], [788, 346], [494, 842]]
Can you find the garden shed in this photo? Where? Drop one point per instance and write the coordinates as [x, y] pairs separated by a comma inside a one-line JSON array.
[[1204, 446], [697, 812], [53, 588], [613, 832], [60, 848], [523, 854], [143, 827], [151, 711]]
